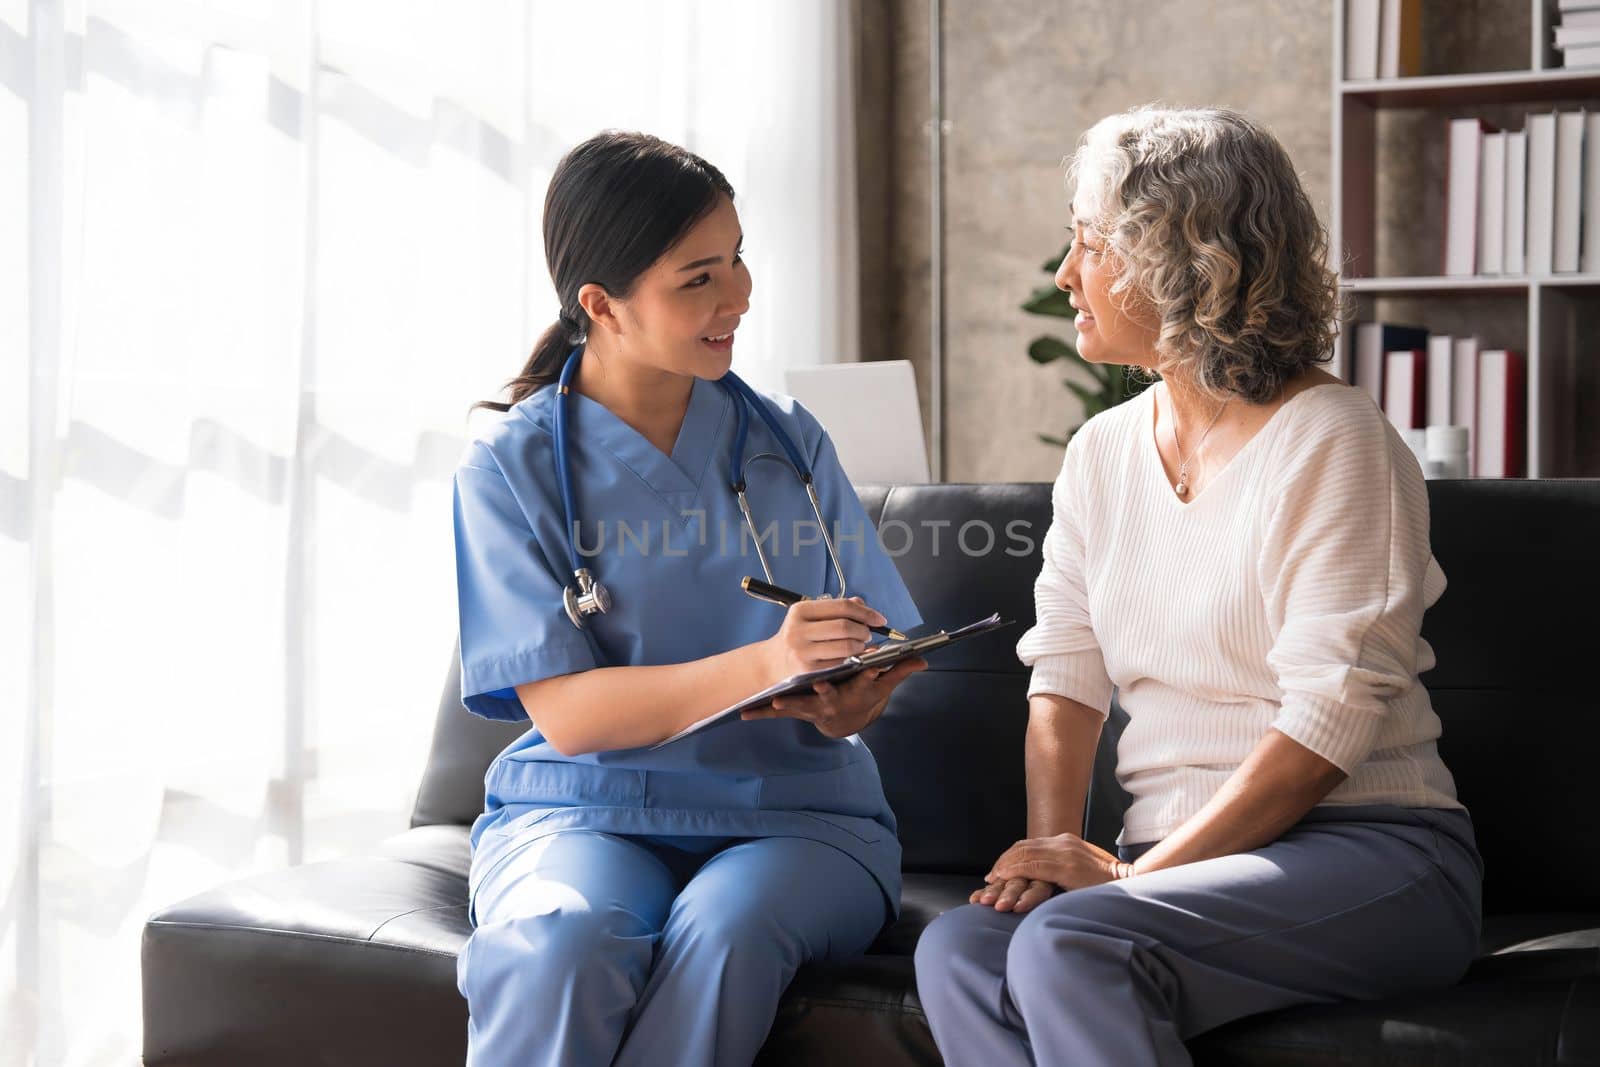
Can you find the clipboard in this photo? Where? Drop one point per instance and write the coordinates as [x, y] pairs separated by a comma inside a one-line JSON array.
[[879, 657]]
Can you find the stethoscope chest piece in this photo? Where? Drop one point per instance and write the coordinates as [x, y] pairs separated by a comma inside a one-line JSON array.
[[589, 598]]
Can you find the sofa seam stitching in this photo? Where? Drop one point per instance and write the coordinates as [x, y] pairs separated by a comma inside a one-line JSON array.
[[404, 914]]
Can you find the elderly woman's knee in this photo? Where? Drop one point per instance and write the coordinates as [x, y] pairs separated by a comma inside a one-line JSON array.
[[1085, 930], [959, 933]]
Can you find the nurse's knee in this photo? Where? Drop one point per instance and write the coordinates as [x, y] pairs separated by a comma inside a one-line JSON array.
[[730, 927], [550, 948]]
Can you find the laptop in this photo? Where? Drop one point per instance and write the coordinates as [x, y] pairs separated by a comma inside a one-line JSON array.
[[871, 412]]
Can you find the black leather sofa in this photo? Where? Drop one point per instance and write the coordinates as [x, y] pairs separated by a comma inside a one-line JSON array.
[[353, 962]]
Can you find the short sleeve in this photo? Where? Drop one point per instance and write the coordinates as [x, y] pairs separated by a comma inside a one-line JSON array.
[[1061, 646], [869, 573], [1346, 574], [514, 629]]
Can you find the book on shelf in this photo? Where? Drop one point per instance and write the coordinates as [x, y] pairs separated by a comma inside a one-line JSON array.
[[1501, 402], [1441, 359], [1587, 17], [1461, 195], [1541, 220], [1516, 199], [1360, 40], [1492, 204], [1569, 186], [1404, 387], [1565, 6], [1399, 38], [1372, 340], [1569, 35], [1586, 56], [1464, 389], [1589, 261]]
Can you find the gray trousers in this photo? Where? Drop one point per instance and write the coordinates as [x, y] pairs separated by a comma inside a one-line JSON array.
[[1352, 903]]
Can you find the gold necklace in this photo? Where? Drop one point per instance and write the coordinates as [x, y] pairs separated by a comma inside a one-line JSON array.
[[1182, 488]]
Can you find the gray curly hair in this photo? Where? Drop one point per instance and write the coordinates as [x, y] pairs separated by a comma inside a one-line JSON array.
[[1212, 229]]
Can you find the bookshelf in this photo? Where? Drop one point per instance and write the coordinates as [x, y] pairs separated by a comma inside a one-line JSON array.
[[1553, 319]]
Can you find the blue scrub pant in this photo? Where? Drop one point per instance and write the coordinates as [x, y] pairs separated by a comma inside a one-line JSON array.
[[1352, 903], [593, 948]]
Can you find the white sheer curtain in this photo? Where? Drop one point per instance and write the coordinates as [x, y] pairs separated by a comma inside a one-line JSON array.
[[257, 257]]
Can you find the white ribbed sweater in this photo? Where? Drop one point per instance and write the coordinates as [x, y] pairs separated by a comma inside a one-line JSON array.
[[1287, 594]]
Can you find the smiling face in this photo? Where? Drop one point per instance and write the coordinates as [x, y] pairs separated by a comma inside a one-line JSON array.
[[681, 313], [1112, 327]]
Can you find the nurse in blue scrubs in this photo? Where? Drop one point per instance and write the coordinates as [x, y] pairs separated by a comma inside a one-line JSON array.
[[636, 904]]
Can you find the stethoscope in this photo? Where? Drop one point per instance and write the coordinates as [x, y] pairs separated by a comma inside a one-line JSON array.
[[589, 597]]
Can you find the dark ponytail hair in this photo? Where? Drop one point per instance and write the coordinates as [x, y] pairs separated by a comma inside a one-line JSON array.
[[616, 204]]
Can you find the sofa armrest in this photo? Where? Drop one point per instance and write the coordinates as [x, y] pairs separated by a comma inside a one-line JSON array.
[[350, 962]]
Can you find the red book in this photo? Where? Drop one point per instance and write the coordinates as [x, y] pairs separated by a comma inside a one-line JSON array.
[[1502, 407], [1405, 394]]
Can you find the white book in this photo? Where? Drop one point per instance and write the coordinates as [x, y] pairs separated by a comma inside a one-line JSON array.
[[1388, 38], [1516, 199], [1569, 190], [1541, 218], [1492, 205], [1577, 5], [1441, 385], [1360, 40], [1568, 35], [1464, 391], [1501, 391], [1404, 388], [1368, 364], [1461, 190], [1582, 18], [1590, 260], [1399, 38], [1587, 56]]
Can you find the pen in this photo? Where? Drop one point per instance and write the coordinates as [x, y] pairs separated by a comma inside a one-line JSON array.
[[776, 594]]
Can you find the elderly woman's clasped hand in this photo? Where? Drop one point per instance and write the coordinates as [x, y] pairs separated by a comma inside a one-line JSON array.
[[1030, 871]]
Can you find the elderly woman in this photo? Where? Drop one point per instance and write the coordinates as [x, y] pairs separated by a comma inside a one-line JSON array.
[[1242, 553]]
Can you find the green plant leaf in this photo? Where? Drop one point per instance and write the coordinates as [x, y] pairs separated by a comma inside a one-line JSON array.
[[1050, 349], [1059, 442], [1051, 301]]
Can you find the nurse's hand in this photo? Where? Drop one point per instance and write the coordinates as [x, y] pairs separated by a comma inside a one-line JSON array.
[[820, 633], [841, 710]]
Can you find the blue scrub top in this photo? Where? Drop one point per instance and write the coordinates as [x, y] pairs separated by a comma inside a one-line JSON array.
[[665, 535]]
